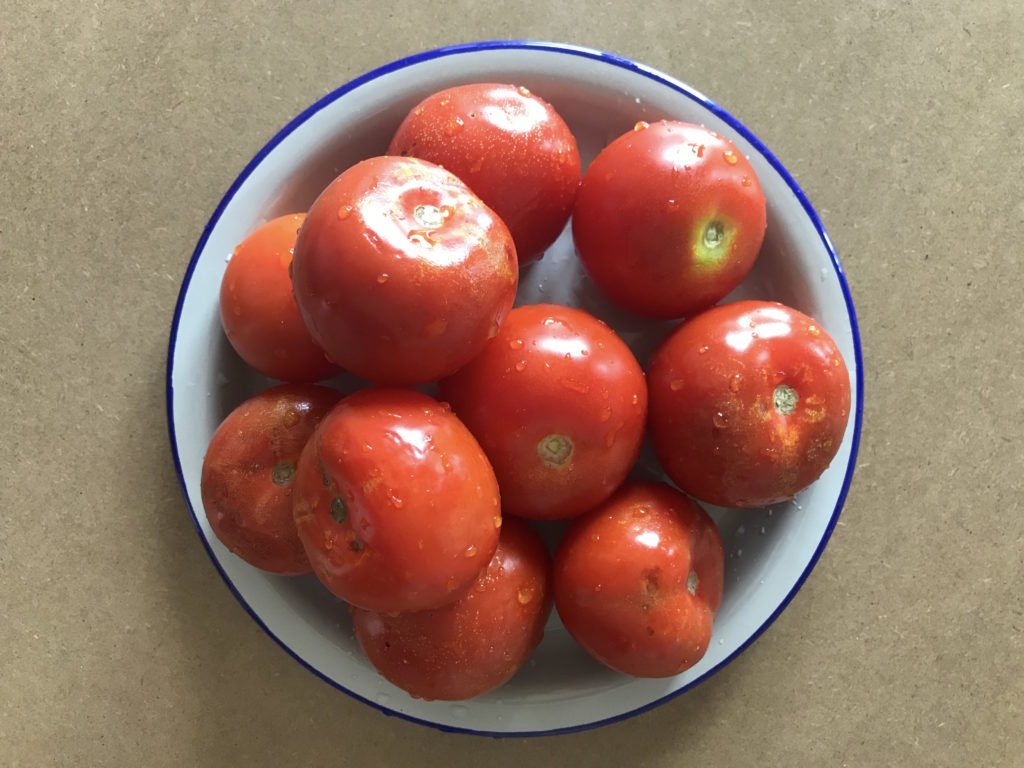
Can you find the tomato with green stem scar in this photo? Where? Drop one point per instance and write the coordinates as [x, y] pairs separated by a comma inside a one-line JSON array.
[[395, 502], [669, 219], [749, 403], [558, 402]]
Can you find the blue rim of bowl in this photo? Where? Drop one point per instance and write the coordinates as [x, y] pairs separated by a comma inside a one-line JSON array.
[[623, 63]]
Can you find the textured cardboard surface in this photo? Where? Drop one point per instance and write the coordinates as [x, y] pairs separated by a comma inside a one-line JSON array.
[[121, 125]]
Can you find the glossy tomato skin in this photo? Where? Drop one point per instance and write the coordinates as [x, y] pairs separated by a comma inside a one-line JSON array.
[[558, 402], [395, 502], [401, 273], [249, 471], [670, 218], [511, 147], [638, 581], [476, 643], [258, 311], [749, 403]]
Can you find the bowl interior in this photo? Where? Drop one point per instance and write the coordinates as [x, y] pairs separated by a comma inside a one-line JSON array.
[[768, 551]]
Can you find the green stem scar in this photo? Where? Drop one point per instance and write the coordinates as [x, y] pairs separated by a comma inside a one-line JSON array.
[[691, 583], [282, 474], [785, 399], [714, 239], [713, 235], [555, 450]]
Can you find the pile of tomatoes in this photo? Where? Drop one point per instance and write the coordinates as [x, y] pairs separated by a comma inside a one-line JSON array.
[[419, 511]]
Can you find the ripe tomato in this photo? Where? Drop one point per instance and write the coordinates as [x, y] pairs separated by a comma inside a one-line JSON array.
[[558, 403], [258, 311], [749, 403], [401, 273], [395, 502], [476, 643], [248, 471], [510, 147], [669, 219], [638, 581]]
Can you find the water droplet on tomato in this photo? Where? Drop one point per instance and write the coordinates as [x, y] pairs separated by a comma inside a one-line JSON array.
[[497, 521], [573, 385], [515, 344], [523, 90], [396, 502], [470, 551], [524, 596], [703, 349], [344, 212], [635, 399], [493, 330], [641, 125], [383, 277], [730, 157], [734, 382], [418, 111], [813, 330], [719, 420], [745, 181], [675, 385], [520, 365]]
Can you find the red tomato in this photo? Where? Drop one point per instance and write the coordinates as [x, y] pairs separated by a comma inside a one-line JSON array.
[[749, 403], [258, 311], [395, 502], [669, 219], [401, 273], [476, 643], [248, 471], [510, 147], [638, 581], [558, 403]]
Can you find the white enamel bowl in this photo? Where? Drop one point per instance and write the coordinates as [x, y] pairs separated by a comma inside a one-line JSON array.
[[769, 552]]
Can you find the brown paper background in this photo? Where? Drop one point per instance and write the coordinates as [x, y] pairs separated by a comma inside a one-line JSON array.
[[122, 124]]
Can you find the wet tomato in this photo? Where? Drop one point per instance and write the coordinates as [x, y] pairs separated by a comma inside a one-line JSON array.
[[395, 502], [249, 470], [669, 219], [558, 403], [401, 273], [749, 403], [476, 643], [258, 311], [638, 581], [511, 147]]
